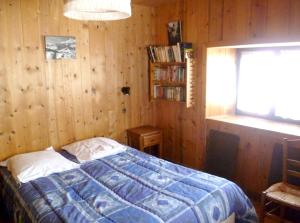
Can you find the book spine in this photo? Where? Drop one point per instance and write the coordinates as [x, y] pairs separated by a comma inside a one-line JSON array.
[[157, 54], [179, 52], [183, 48], [169, 93], [153, 53], [175, 53], [149, 54], [172, 74]]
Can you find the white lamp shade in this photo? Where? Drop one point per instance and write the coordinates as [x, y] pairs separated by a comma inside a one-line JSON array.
[[97, 9]]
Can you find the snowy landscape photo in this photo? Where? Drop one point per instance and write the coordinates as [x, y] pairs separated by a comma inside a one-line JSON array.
[[60, 47]]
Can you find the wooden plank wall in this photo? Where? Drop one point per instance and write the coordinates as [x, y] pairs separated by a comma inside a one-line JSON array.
[[220, 81], [184, 128], [254, 155], [216, 22], [55, 102]]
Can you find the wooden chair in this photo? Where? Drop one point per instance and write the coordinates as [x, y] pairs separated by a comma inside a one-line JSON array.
[[282, 196]]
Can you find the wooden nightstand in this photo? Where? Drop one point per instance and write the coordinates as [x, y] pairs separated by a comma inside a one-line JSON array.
[[145, 136]]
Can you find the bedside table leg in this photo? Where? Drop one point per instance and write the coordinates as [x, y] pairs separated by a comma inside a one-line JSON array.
[[141, 146], [160, 150], [129, 141]]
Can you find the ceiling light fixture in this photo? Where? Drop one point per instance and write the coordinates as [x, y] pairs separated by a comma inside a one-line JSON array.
[[97, 9]]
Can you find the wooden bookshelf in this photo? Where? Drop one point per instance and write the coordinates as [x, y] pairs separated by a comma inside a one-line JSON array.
[[173, 81], [170, 83], [165, 64]]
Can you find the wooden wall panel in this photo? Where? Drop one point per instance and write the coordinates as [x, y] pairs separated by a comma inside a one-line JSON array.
[[242, 21], [55, 102], [230, 8], [253, 19], [258, 18], [183, 128], [278, 17], [294, 18], [152, 2], [5, 94], [164, 14], [217, 22], [254, 154], [220, 81], [216, 10]]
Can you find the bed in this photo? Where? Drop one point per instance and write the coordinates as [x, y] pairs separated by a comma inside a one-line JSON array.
[[127, 187]]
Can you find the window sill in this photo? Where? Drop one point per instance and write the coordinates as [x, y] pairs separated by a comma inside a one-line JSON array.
[[258, 123]]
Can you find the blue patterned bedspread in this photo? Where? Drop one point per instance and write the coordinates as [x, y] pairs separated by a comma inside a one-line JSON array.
[[124, 188]]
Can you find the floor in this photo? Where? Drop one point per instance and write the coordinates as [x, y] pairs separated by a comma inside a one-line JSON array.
[[3, 219], [257, 208], [295, 215]]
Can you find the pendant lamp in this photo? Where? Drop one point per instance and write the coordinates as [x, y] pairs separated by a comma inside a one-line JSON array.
[[97, 9]]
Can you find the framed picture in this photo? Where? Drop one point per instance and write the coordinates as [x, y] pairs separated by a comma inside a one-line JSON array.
[[60, 47], [174, 32]]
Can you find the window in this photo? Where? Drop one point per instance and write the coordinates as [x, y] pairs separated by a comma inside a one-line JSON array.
[[269, 83]]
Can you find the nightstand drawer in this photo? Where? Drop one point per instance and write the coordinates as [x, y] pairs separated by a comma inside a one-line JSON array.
[[152, 140], [144, 137]]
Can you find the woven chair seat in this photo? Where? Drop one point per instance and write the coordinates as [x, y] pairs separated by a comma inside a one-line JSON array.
[[285, 193]]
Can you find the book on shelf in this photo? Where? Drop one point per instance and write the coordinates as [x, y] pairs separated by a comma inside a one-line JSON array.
[[174, 53], [175, 74], [169, 93], [184, 46]]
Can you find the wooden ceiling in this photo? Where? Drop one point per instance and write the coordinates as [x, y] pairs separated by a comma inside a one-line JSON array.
[[152, 2]]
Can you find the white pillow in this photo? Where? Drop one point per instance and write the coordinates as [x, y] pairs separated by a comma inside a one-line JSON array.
[[4, 162], [29, 166], [94, 148]]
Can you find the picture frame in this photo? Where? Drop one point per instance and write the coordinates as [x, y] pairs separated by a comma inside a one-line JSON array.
[[60, 47], [174, 32]]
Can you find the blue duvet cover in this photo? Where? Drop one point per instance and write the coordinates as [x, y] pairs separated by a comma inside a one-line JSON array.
[[124, 188]]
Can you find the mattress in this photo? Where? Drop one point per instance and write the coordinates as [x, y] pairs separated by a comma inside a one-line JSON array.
[[128, 187]]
